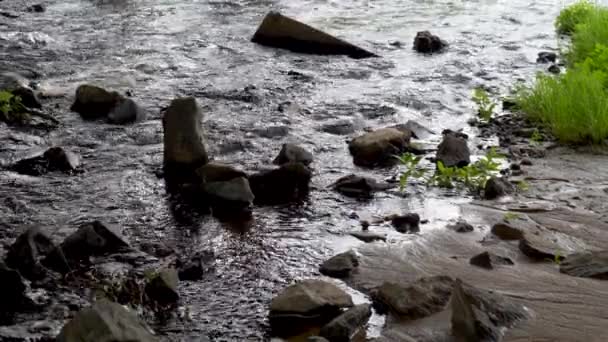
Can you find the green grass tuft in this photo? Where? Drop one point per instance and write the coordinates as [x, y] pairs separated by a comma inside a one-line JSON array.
[[587, 36], [573, 15]]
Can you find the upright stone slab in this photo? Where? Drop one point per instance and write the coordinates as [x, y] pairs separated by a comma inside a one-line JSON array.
[[283, 32], [183, 136]]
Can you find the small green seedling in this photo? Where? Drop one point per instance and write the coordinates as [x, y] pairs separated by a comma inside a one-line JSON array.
[[410, 161], [11, 107], [485, 106], [536, 137], [557, 259]]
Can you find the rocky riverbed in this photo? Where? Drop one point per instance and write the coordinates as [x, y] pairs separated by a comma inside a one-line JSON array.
[[96, 185]]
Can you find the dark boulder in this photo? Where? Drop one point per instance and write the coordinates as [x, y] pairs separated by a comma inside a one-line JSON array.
[[496, 187], [91, 239], [38, 8], [340, 127], [292, 153], [225, 186], [586, 265], [280, 31], [55, 159], [546, 57], [27, 251], [348, 325], [290, 182], [461, 227], [408, 223], [340, 266], [488, 260], [379, 148], [12, 290], [541, 247], [357, 186], [272, 132], [306, 304], [162, 287], [196, 267], [368, 236], [28, 97], [453, 151], [93, 102], [125, 111], [554, 69], [105, 321], [425, 42], [422, 298]]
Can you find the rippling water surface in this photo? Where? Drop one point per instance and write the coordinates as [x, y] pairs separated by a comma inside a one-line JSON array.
[[161, 49]]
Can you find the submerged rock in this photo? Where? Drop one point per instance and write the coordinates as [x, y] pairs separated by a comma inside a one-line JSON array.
[[55, 159], [292, 153], [196, 267], [105, 321], [368, 236], [461, 227], [340, 127], [306, 304], [488, 260], [340, 266], [280, 31], [162, 287], [408, 223], [586, 265], [12, 289], [93, 102], [426, 42], [422, 298], [344, 327], [480, 315], [288, 183], [357, 186], [125, 111], [497, 187], [91, 239], [184, 149], [26, 252], [378, 148], [453, 151], [546, 57]]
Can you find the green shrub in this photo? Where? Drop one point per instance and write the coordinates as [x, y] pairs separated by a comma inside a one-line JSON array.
[[573, 15], [573, 106], [11, 108], [593, 31]]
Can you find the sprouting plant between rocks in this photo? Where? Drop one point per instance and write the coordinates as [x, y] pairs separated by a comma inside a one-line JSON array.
[[472, 177], [11, 108], [485, 105]]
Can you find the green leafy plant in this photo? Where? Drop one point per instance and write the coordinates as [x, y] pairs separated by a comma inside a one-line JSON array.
[[11, 108], [573, 15], [410, 161], [473, 176], [557, 259], [587, 35], [485, 106]]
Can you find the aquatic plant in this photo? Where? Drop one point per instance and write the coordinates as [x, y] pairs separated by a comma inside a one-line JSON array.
[[11, 108], [485, 106], [573, 15], [410, 161]]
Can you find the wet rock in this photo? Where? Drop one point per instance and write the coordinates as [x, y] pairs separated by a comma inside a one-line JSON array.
[[91, 239], [27, 96], [418, 131], [526, 162], [366, 236], [512, 229], [288, 183], [105, 321], [38, 8], [272, 132], [554, 69], [426, 42], [162, 287], [422, 298], [340, 127], [93, 102], [125, 111], [26, 252], [378, 148], [280, 31], [497, 187], [546, 57], [12, 289], [55, 159], [196, 267], [157, 249], [461, 227], [340, 266], [10, 15], [184, 149], [357, 186], [586, 265], [408, 223], [489, 260], [508, 104], [292, 153], [344, 327], [316, 339], [306, 304], [481, 315], [225, 185], [540, 247], [453, 151]]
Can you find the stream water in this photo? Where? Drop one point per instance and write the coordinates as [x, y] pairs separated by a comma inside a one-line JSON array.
[[160, 49]]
